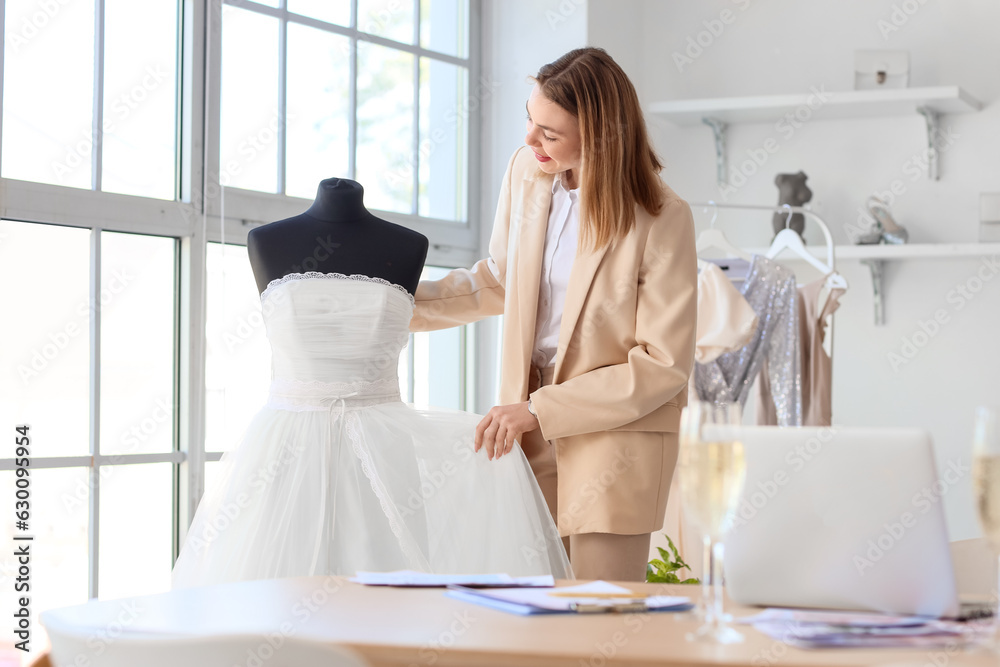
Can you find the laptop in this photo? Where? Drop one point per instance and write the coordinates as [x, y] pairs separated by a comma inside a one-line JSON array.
[[843, 518]]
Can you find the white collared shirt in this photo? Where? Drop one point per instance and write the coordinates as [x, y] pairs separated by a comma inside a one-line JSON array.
[[557, 261]]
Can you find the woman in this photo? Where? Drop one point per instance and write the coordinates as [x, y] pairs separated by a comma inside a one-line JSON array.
[[592, 263]]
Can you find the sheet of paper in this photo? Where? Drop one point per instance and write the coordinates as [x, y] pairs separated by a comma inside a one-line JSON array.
[[423, 579], [805, 628], [599, 587], [780, 615]]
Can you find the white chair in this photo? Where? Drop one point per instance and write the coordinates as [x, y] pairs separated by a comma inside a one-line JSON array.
[[70, 644]]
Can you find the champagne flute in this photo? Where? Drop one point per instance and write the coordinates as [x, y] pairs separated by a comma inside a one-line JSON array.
[[712, 470], [986, 486]]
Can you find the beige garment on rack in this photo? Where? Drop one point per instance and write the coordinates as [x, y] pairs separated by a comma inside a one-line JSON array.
[[816, 367], [725, 319], [725, 323]]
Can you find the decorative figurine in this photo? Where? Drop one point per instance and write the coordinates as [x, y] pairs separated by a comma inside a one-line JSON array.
[[792, 190]]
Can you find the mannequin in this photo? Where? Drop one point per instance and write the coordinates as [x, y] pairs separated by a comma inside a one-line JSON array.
[[337, 234], [352, 454]]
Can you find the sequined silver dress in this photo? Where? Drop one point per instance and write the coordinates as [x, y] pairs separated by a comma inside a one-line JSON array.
[[770, 290]]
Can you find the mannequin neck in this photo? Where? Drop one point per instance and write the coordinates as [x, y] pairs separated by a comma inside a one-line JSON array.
[[339, 200]]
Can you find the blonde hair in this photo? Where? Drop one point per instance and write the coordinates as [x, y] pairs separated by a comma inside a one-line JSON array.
[[619, 167]]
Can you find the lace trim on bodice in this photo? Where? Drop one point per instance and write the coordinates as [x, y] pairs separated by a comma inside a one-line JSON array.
[[359, 277]]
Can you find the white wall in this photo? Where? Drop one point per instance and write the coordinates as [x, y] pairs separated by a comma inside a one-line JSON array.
[[787, 46], [519, 36]]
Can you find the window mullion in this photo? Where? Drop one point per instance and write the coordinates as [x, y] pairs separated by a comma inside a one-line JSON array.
[[415, 161], [409, 369], [97, 132], [206, 31], [282, 96], [463, 350], [352, 130], [3, 31], [93, 541]]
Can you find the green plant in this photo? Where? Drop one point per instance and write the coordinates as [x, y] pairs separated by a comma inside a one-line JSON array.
[[661, 570]]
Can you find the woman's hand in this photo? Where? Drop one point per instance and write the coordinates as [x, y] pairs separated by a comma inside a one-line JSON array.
[[502, 426]]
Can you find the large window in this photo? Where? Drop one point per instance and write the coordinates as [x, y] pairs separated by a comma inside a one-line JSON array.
[[92, 357], [105, 117], [139, 141], [377, 91]]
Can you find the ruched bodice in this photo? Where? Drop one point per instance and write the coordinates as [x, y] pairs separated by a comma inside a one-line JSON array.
[[334, 343]]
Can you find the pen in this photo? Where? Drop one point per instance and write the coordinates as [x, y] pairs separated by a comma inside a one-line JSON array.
[[617, 596], [601, 608]]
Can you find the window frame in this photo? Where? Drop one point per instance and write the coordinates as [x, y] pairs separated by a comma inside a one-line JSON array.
[[454, 243], [193, 219]]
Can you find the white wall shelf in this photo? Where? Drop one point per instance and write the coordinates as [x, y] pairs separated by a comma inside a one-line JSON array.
[[818, 104], [876, 256], [890, 252], [823, 105]]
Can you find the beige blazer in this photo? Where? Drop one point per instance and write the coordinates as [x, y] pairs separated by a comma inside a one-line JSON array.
[[626, 348]]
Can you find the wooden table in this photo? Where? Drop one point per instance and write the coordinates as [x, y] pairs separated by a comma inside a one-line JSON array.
[[395, 626]]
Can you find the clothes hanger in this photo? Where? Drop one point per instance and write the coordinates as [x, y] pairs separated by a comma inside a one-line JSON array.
[[714, 238], [789, 239]]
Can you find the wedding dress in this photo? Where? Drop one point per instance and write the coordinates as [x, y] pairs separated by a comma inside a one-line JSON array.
[[335, 474]]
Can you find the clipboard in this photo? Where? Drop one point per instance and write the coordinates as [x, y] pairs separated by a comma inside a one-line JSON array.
[[593, 597]]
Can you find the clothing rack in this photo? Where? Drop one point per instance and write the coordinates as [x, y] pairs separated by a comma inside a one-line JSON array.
[[874, 265], [827, 236], [786, 210]]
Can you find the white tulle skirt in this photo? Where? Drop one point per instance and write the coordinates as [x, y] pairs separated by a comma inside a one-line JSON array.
[[368, 487]]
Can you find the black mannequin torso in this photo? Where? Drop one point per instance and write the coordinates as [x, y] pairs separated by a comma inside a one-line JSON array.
[[337, 235]]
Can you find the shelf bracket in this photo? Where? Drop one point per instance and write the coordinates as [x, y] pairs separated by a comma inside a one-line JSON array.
[[877, 268], [933, 119], [719, 130]]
